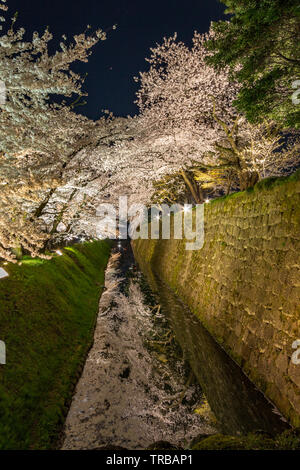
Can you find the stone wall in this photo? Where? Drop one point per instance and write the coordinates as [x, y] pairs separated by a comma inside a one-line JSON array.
[[244, 283]]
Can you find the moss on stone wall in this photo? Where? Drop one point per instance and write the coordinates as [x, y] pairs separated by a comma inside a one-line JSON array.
[[289, 440], [47, 316], [244, 283]]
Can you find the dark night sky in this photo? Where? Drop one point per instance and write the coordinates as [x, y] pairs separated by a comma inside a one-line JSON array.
[[114, 62]]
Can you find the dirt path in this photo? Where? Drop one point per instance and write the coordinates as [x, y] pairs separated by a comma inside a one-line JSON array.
[[128, 396]]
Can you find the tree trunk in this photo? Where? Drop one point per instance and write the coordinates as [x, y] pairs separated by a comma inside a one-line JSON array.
[[195, 190], [38, 212], [247, 180], [18, 251]]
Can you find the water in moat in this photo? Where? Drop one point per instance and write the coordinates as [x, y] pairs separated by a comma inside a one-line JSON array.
[[155, 374]]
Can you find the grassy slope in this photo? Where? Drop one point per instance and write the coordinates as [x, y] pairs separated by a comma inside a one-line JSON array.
[[47, 316]]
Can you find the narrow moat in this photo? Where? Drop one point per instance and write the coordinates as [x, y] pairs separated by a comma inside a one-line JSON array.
[[154, 373]]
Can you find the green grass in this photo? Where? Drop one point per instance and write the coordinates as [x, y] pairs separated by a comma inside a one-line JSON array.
[[48, 310], [264, 184]]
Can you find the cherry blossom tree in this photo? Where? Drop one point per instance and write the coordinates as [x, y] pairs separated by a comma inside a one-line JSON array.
[[176, 100], [57, 166], [179, 139], [40, 134], [187, 117]]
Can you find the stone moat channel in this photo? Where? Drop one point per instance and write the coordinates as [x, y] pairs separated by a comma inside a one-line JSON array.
[[155, 374]]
